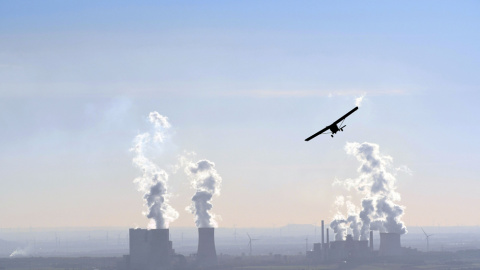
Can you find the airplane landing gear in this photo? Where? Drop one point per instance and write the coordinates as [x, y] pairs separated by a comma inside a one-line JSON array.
[[331, 135]]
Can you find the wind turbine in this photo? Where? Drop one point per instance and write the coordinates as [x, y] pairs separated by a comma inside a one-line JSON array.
[[427, 236], [250, 243]]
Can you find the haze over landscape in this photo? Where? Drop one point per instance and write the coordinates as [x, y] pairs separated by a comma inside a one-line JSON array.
[[187, 115]]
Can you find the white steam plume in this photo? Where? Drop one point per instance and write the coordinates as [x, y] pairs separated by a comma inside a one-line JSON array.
[[153, 181], [378, 186], [339, 227], [353, 220], [359, 100], [23, 252], [206, 181], [340, 224]]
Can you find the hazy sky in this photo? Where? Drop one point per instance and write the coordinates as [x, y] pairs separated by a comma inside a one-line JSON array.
[[243, 83]]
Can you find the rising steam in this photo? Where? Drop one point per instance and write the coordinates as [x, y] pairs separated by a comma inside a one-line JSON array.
[[340, 223], [153, 181], [23, 252], [379, 209], [206, 181]]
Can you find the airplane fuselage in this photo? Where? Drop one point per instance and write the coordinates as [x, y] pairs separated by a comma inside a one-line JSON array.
[[333, 128]]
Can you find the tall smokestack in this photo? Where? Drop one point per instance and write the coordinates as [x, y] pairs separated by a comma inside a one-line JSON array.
[[328, 239], [323, 230], [206, 254], [371, 240], [326, 249]]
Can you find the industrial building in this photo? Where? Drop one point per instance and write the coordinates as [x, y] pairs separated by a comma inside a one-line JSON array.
[[152, 250], [390, 244], [149, 250], [340, 250], [347, 249], [354, 249]]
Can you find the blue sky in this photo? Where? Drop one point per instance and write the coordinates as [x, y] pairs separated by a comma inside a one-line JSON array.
[[243, 83]]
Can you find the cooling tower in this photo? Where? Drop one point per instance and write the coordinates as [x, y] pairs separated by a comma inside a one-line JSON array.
[[206, 254], [149, 249], [390, 244]]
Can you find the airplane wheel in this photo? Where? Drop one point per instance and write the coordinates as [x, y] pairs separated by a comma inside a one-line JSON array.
[[331, 135]]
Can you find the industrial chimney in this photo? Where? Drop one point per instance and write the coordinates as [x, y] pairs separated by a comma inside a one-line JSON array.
[[390, 244], [323, 234], [371, 240], [326, 249], [328, 239], [206, 254]]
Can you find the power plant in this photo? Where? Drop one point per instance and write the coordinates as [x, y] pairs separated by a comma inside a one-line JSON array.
[[149, 249], [152, 250], [206, 253], [390, 244], [349, 248]]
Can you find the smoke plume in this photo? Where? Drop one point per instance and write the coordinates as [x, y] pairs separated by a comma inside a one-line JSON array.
[[153, 181], [379, 208], [206, 181]]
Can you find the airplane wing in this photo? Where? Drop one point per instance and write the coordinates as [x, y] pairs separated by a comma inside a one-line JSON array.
[[345, 116], [316, 134]]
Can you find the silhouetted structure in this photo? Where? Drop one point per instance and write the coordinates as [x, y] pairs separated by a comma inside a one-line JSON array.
[[328, 238], [340, 250], [315, 255], [349, 248], [206, 253], [371, 240], [390, 244], [323, 230], [149, 249]]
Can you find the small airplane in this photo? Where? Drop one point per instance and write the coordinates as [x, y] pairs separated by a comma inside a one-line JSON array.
[[333, 127]]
